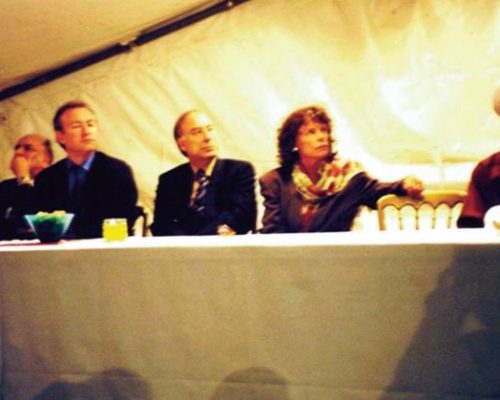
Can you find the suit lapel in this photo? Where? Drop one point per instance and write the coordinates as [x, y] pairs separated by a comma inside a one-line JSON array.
[[94, 179], [60, 184], [216, 173], [185, 185], [294, 205], [216, 180]]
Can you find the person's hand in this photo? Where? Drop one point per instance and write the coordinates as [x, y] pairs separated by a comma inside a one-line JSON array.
[[225, 230], [20, 166], [413, 186]]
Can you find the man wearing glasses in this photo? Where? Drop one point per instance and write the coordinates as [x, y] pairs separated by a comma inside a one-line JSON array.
[[32, 154]]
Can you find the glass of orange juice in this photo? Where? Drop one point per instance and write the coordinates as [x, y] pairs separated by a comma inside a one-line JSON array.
[[114, 229]]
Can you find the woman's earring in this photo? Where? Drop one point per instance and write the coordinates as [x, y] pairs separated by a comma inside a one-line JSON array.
[[295, 149]]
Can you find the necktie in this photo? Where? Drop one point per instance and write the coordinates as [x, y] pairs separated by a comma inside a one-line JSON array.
[[77, 176], [201, 194]]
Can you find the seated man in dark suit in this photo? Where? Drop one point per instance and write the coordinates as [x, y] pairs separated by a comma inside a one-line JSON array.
[[207, 195], [32, 154], [88, 183]]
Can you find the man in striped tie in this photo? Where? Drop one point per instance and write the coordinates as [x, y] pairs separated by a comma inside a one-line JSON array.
[[207, 195]]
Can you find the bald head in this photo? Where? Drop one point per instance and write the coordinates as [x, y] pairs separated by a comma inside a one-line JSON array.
[[196, 137], [496, 101], [36, 150]]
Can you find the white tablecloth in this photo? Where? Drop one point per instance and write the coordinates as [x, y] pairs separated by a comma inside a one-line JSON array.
[[304, 316]]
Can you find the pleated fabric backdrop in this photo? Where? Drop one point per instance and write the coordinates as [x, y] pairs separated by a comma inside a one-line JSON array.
[[409, 85]]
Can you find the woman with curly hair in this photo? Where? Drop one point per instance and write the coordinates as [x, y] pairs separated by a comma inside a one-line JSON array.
[[314, 190]]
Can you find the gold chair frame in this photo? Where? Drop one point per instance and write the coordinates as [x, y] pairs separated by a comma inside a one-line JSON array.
[[431, 199], [141, 225]]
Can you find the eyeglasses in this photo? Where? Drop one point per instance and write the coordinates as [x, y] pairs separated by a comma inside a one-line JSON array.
[[26, 147]]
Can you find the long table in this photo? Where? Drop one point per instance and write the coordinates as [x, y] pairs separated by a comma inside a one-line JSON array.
[[302, 316]]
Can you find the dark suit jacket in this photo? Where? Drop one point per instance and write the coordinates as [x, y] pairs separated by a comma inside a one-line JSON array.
[[15, 201], [109, 192], [230, 200], [336, 213]]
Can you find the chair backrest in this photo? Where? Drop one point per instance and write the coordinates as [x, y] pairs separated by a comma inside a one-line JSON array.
[[141, 226], [436, 209]]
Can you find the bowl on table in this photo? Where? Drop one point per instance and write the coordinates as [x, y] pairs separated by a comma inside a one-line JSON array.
[[49, 227], [492, 219]]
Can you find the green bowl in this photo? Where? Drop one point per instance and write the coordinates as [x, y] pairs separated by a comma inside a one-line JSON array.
[[49, 227]]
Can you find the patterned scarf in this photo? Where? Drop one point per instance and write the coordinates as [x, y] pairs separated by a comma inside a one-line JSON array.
[[334, 176]]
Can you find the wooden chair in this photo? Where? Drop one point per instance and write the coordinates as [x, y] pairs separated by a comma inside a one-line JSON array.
[[437, 209], [141, 226]]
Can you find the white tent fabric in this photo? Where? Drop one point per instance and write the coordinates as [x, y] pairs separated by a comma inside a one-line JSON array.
[[37, 36], [409, 85]]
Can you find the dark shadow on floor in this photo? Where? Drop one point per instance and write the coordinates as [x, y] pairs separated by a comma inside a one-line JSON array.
[[254, 383], [456, 350], [112, 384]]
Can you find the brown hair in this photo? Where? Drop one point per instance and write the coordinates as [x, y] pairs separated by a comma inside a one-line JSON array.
[[178, 123], [178, 126], [56, 121], [287, 133]]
